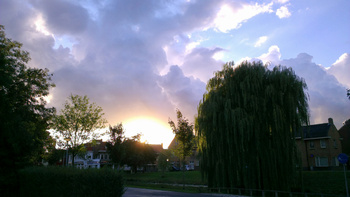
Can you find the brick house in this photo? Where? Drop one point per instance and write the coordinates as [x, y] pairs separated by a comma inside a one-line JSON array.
[[320, 145]]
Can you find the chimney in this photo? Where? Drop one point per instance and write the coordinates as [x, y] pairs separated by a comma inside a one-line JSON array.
[[330, 121]]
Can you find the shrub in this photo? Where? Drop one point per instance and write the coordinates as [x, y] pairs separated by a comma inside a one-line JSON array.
[[59, 181]]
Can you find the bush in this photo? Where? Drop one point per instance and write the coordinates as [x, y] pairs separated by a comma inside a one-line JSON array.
[[59, 181]]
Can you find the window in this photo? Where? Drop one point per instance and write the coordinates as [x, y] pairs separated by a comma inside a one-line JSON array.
[[335, 144], [101, 156], [335, 161], [311, 144], [321, 161], [323, 143]]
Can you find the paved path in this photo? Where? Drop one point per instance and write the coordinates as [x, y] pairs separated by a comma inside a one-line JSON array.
[[137, 192]]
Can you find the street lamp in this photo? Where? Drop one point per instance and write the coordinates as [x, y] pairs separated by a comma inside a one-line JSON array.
[[67, 140]]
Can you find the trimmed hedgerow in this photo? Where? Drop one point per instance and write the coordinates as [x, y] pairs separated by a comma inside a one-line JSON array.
[[59, 181]]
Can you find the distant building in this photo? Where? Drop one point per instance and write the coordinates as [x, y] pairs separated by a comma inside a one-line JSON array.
[[344, 132], [96, 156], [191, 161], [320, 145]]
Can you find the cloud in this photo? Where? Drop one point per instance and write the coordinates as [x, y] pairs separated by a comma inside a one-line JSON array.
[[62, 16], [231, 17], [272, 56], [327, 95], [283, 12], [341, 69], [182, 91], [260, 41], [115, 57], [201, 64], [281, 1]]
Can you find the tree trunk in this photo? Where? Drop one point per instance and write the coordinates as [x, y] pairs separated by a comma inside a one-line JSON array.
[[183, 173]]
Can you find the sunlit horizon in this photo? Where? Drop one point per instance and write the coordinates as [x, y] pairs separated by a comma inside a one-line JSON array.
[[152, 130]]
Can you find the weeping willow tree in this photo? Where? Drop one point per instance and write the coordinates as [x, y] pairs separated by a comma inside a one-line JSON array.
[[246, 123]]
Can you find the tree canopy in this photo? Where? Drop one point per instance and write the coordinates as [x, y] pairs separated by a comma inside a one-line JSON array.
[[24, 117], [183, 135], [247, 123], [184, 139], [129, 151], [115, 143], [78, 123]]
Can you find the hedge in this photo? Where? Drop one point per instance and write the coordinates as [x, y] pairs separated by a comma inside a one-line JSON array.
[[60, 181]]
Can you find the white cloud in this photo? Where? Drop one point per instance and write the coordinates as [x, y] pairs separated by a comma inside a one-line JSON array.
[[229, 18], [272, 56], [327, 95], [260, 41], [281, 1], [341, 69], [283, 12]]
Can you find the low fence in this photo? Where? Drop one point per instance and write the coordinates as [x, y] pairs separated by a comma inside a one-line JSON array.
[[267, 193]]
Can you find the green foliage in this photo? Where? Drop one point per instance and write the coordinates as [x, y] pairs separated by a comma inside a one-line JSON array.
[[58, 181], [163, 160], [24, 118], [78, 121], [183, 135], [246, 125]]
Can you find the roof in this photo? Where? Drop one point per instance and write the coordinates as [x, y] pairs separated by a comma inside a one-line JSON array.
[[98, 146], [344, 131], [158, 148], [315, 131]]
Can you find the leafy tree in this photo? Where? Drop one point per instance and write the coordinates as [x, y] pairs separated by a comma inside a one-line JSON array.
[[246, 124], [115, 144], [78, 122], [163, 160], [24, 118], [184, 137], [136, 153], [348, 93]]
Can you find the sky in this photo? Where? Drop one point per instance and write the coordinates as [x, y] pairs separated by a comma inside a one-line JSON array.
[[140, 60]]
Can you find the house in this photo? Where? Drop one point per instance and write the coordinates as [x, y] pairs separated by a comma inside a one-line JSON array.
[[96, 156], [191, 161], [344, 132], [320, 146]]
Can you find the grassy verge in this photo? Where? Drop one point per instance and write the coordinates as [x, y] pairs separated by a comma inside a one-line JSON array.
[[325, 182]]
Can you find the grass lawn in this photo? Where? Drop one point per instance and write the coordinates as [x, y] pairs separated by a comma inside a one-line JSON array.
[[325, 182]]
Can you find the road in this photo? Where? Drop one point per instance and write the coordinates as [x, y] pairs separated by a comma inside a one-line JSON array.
[[137, 192]]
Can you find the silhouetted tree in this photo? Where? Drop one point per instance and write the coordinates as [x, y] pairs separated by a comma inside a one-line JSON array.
[[137, 154], [247, 123], [115, 144], [24, 118]]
